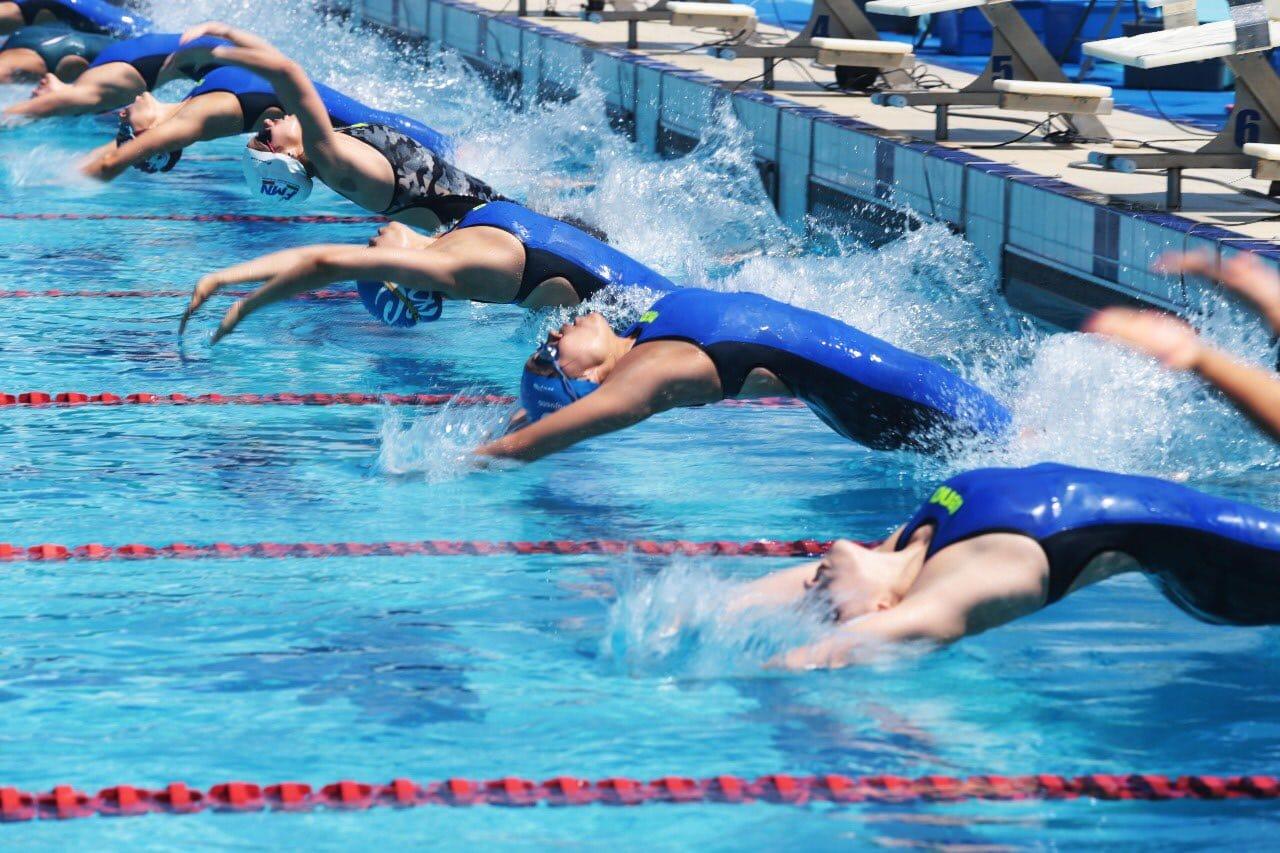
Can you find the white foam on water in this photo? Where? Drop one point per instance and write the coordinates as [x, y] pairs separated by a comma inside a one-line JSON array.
[[436, 445]]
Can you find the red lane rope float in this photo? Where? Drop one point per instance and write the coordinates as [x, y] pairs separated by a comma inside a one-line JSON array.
[[322, 219], [68, 399], [315, 295], [49, 553], [65, 802]]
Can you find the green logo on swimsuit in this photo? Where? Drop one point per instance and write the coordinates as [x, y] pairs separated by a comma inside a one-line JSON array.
[[947, 498], [648, 316]]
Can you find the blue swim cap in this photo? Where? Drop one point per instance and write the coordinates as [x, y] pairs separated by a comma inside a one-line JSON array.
[[541, 395], [399, 306]]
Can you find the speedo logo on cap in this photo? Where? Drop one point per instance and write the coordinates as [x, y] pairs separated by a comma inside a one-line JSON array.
[[283, 189], [947, 498]]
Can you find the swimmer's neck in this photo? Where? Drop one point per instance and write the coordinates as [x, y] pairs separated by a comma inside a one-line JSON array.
[[618, 348], [912, 559]]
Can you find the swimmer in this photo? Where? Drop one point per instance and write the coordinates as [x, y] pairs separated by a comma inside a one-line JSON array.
[[118, 74], [1255, 391], [227, 102], [88, 16], [499, 252], [997, 544], [32, 52], [695, 347], [378, 166]]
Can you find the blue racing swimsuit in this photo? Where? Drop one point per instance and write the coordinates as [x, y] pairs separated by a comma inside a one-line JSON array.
[[56, 43], [555, 249], [90, 16], [1217, 559], [148, 53], [865, 389], [256, 95]]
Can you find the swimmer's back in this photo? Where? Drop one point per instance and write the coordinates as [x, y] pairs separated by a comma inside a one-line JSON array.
[[864, 388], [1217, 558]]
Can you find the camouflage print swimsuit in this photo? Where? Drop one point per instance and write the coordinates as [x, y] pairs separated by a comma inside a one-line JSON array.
[[423, 180]]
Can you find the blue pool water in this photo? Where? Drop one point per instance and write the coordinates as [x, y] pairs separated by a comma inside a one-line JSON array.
[[372, 668]]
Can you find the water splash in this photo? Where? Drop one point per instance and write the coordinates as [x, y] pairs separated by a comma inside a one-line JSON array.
[[436, 446], [675, 623], [704, 219], [47, 165]]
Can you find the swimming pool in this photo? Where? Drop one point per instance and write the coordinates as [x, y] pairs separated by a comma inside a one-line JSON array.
[[270, 669]]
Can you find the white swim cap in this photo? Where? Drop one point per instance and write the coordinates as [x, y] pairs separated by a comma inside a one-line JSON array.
[[276, 176]]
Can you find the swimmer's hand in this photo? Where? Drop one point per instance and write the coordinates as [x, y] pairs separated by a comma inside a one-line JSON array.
[[246, 49], [269, 268], [205, 288], [395, 235], [1244, 273], [1166, 338], [220, 30]]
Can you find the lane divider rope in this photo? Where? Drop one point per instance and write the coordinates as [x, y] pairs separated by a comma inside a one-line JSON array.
[[71, 399], [312, 219], [65, 802], [47, 552]]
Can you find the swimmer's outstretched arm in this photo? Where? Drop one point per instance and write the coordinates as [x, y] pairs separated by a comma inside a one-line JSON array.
[[297, 94], [634, 391], [194, 121], [879, 635], [76, 99], [412, 268], [608, 409], [258, 269], [1255, 391]]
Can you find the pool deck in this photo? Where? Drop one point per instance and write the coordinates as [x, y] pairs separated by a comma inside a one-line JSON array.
[[1062, 238]]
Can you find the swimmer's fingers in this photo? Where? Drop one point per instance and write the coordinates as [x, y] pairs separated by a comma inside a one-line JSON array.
[[1257, 282], [208, 28], [192, 57], [393, 235], [230, 320], [204, 289], [1161, 336], [225, 31], [1187, 263]]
